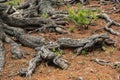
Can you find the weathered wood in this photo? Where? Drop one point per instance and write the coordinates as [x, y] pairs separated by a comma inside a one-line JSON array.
[[83, 44], [115, 65], [2, 1], [23, 37], [2, 50], [17, 52], [116, 1], [87, 1], [110, 22], [15, 48], [39, 24], [25, 22], [76, 1], [101, 61], [15, 27], [43, 54], [35, 7], [2, 56]]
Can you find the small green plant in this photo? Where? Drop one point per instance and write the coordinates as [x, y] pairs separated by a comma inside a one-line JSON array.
[[109, 51], [96, 53], [81, 16], [117, 67], [71, 29], [58, 52], [84, 52], [81, 62], [103, 48], [45, 15], [14, 2]]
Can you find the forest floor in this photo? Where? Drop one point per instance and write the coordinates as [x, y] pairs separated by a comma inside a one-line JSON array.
[[80, 66]]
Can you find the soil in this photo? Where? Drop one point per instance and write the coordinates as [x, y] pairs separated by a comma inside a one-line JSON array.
[[80, 66]]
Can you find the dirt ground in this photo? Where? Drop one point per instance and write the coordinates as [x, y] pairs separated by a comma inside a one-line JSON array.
[[81, 66]]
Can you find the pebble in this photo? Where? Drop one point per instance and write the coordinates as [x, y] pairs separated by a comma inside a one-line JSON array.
[[79, 78], [119, 77]]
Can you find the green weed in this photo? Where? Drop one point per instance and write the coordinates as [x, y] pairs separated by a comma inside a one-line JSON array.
[[71, 29], [117, 67], [103, 48], [84, 52], [109, 51], [45, 15], [57, 52], [81, 16], [14, 2]]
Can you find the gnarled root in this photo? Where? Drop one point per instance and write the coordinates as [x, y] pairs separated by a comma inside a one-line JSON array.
[[34, 24], [23, 37], [81, 1], [35, 7], [100, 61], [2, 56], [86, 43], [43, 54], [110, 22], [115, 65]]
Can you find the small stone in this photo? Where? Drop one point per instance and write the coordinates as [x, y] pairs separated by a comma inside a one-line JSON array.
[[119, 77], [91, 70], [79, 78]]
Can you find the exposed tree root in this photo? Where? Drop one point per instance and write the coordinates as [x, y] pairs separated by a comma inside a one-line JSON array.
[[15, 48], [41, 24], [2, 56], [17, 53], [87, 1], [101, 62], [21, 24], [116, 1], [115, 65], [86, 43], [110, 22], [29, 20], [1, 1], [30, 41], [43, 54], [24, 38], [2, 49], [35, 7], [81, 1]]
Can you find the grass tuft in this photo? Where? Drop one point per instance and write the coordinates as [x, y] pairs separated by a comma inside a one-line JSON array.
[[81, 16], [14, 2]]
